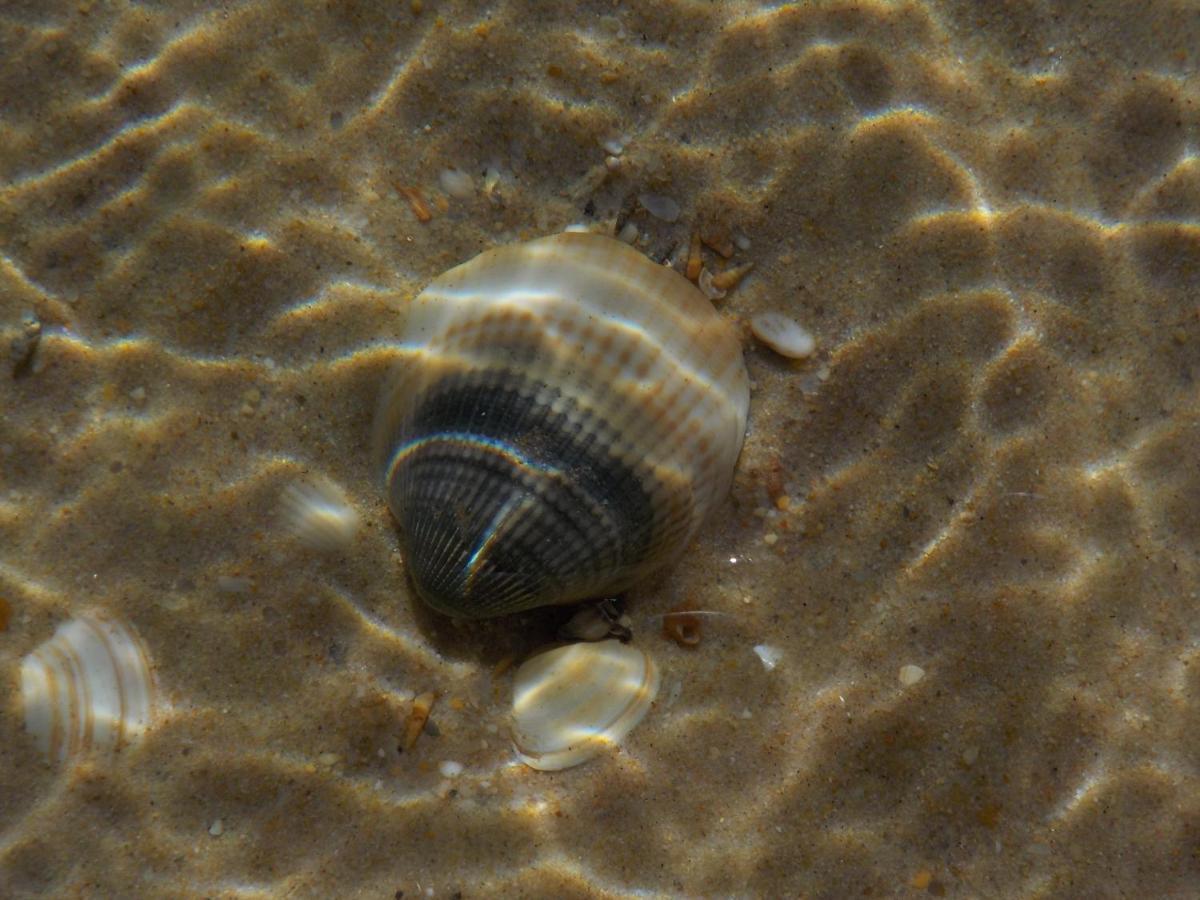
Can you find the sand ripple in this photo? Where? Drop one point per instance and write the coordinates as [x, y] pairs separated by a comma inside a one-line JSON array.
[[989, 216]]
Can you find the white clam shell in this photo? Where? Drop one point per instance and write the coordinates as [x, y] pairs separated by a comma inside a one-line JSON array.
[[90, 687], [572, 703]]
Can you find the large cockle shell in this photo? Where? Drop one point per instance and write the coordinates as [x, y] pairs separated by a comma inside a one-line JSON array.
[[89, 687], [573, 702], [566, 415]]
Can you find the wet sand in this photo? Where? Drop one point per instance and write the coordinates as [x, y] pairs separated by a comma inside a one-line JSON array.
[[990, 219]]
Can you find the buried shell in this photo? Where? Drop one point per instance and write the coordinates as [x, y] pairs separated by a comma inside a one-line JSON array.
[[573, 702], [88, 688], [566, 415]]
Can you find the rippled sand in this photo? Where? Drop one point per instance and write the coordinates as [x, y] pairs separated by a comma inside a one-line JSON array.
[[988, 214]]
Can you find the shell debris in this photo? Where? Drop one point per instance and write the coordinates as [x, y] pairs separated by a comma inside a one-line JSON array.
[[783, 335], [694, 262], [574, 702], [718, 242], [768, 655], [457, 183], [731, 278], [416, 201], [90, 687], [418, 716], [318, 513], [710, 290], [682, 626]]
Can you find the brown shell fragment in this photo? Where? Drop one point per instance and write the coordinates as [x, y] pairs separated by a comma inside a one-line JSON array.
[[694, 261], [416, 200], [682, 626], [730, 278], [718, 242], [417, 717]]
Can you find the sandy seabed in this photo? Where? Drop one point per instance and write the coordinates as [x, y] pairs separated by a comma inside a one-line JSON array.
[[989, 216]]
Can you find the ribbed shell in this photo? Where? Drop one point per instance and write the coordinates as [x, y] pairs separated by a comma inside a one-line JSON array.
[[566, 415], [88, 688]]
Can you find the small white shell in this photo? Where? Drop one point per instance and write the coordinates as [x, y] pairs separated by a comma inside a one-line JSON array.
[[783, 335], [319, 514], [573, 702], [89, 687]]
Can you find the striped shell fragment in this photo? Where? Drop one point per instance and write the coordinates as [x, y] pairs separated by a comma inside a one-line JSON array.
[[565, 415], [89, 688]]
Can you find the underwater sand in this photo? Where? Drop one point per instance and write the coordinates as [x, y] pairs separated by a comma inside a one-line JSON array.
[[988, 215]]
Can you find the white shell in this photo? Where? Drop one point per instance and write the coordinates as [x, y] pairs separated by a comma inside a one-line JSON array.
[[88, 688], [564, 416], [783, 335], [319, 514], [573, 702]]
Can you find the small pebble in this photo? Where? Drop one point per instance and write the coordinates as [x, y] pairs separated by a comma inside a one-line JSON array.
[[660, 206], [768, 655], [250, 401], [449, 768], [138, 395], [233, 584], [770, 539], [628, 234], [910, 675], [457, 184], [24, 345], [783, 335], [217, 828], [328, 759], [612, 163]]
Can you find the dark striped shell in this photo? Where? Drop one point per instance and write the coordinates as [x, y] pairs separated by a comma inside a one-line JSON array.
[[565, 416]]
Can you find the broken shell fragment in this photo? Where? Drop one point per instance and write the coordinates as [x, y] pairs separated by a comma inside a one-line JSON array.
[[783, 335], [682, 626], [418, 716], [88, 688], [573, 702], [319, 514]]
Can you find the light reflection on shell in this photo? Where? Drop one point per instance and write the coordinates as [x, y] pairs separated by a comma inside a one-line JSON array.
[[566, 415], [89, 687], [572, 703]]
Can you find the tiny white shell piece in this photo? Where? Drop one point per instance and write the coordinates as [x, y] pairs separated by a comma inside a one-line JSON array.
[[783, 335], [88, 688], [573, 702]]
